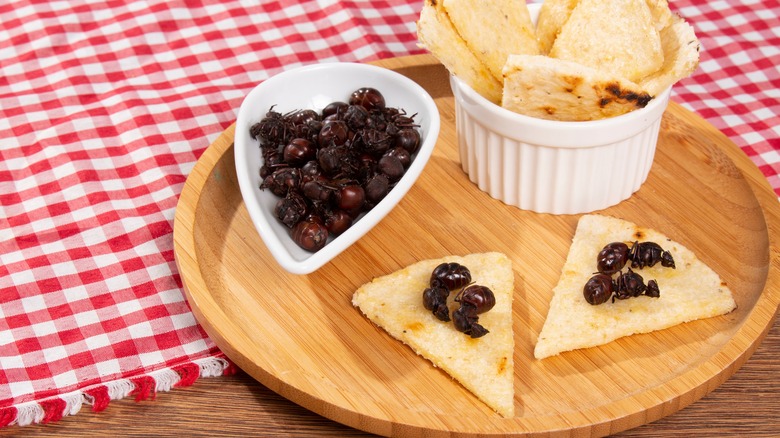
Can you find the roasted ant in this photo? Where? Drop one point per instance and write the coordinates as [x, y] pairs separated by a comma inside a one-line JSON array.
[[451, 275], [614, 256], [474, 300], [628, 285], [465, 320], [435, 300], [445, 277], [481, 297], [648, 254], [598, 289]]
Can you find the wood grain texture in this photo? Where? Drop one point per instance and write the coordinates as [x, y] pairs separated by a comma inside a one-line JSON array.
[[301, 338], [745, 405]]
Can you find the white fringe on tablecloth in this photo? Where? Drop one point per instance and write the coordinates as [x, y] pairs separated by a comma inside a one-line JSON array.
[[165, 379]]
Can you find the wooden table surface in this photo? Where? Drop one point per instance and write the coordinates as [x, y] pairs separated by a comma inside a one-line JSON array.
[[745, 405]]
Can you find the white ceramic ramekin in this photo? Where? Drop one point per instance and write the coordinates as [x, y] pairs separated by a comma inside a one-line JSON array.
[[550, 166]]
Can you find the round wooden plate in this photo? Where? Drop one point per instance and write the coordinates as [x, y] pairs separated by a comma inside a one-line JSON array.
[[301, 337]]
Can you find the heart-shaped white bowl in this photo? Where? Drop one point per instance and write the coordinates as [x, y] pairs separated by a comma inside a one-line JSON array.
[[313, 87]]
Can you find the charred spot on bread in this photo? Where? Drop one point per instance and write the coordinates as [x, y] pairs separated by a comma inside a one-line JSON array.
[[613, 88], [571, 82], [502, 365], [641, 99]]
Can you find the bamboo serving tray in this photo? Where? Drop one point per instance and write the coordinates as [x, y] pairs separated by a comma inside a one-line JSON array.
[[301, 337]]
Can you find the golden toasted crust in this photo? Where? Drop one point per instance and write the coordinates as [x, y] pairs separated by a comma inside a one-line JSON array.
[[436, 33], [662, 16], [552, 15], [622, 41], [484, 366], [494, 29], [690, 291], [681, 56], [549, 88]]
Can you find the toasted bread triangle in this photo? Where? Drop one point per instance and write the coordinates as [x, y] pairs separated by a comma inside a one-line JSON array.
[[437, 34], [620, 39], [484, 366], [510, 30], [556, 89], [554, 13], [681, 56], [552, 16], [690, 291]]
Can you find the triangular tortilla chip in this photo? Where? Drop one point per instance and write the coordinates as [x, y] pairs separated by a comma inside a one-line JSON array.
[[554, 13], [662, 15], [617, 38], [549, 88], [552, 16], [484, 366], [681, 57], [690, 291], [436, 33], [494, 29]]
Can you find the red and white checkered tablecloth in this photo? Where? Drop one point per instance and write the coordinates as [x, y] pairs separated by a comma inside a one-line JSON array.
[[105, 108]]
